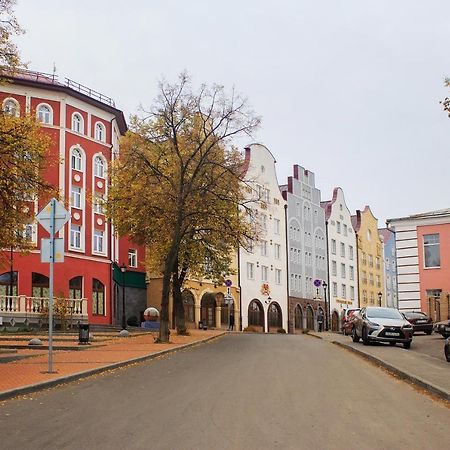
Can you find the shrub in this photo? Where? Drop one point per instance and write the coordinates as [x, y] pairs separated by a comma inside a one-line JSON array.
[[250, 329], [305, 331], [132, 321], [281, 330]]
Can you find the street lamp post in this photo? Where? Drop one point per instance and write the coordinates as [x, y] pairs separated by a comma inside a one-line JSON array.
[[123, 269], [380, 294], [325, 285]]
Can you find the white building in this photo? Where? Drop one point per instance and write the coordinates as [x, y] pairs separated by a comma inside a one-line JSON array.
[[263, 268], [342, 257], [307, 249]]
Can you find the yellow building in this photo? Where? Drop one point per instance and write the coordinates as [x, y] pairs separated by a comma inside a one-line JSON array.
[[203, 301], [370, 259]]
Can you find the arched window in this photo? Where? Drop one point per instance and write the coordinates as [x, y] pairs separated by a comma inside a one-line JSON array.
[[100, 132], [208, 310], [8, 284], [75, 287], [40, 284], [99, 167], [11, 107], [274, 317], [298, 318], [44, 114], [309, 318], [77, 123], [98, 298], [189, 306], [256, 314], [77, 161]]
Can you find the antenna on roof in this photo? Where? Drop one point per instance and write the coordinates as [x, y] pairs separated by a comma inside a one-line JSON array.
[[54, 70]]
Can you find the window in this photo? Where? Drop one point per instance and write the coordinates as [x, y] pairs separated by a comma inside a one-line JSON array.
[[99, 167], [75, 236], [77, 123], [334, 291], [352, 272], [338, 227], [132, 257], [431, 250], [98, 241], [370, 261], [98, 204], [250, 272], [276, 226], [264, 273], [377, 261], [75, 287], [98, 298], [40, 285], [333, 268], [100, 132], [364, 296], [333, 246], [278, 276], [263, 248], [264, 221], [342, 250], [343, 291], [8, 284], [345, 229], [369, 235], [76, 197], [371, 279], [77, 162], [11, 107], [364, 258], [372, 298], [352, 292], [342, 270], [44, 114], [378, 281], [364, 276], [277, 249], [350, 251]]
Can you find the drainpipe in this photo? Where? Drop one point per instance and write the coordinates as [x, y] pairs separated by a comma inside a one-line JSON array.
[[112, 291]]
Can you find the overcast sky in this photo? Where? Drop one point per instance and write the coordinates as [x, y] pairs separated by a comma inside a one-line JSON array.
[[349, 89]]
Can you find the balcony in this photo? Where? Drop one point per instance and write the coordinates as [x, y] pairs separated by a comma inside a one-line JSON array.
[[19, 309]]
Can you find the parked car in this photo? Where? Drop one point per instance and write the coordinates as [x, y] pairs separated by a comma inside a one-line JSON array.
[[447, 349], [376, 324], [347, 320], [420, 321], [443, 328]]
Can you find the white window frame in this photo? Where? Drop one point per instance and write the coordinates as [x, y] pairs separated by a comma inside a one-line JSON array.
[[278, 276], [44, 117], [263, 248], [132, 257], [76, 159], [276, 226], [97, 204], [75, 234], [277, 251], [99, 241], [14, 112], [438, 244], [77, 126], [100, 135], [333, 246], [264, 273], [250, 271], [76, 198], [99, 169]]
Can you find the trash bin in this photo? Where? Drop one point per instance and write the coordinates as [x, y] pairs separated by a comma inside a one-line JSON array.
[[83, 333], [200, 324]]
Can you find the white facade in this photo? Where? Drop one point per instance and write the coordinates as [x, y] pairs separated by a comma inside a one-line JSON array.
[[342, 255], [262, 269]]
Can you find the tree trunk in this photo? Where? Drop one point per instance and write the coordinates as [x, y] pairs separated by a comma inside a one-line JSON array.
[[164, 315], [178, 306]]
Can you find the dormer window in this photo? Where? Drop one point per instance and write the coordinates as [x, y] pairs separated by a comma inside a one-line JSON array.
[[77, 123], [100, 132], [44, 114]]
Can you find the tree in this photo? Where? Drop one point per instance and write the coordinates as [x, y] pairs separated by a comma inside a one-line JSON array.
[[446, 102], [9, 27], [177, 185], [23, 157]]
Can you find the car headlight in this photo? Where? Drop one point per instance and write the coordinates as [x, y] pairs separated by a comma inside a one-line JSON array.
[[407, 327], [373, 325]]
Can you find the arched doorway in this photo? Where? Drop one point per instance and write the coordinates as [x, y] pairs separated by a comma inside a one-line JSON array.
[[189, 306], [309, 318], [256, 315], [298, 318], [208, 307], [227, 309], [274, 317], [335, 321]]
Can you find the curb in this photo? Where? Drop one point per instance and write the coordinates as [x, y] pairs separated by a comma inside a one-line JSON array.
[[31, 388], [417, 381]]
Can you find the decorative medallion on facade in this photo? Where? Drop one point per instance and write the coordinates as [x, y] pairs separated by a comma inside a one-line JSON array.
[[265, 289]]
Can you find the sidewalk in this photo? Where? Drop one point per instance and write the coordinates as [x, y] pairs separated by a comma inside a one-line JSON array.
[[29, 374], [425, 371]]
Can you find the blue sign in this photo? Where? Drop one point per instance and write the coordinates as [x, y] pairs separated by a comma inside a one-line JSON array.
[[228, 283], [317, 283]]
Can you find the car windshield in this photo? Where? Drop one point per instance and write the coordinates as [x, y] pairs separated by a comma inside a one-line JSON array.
[[383, 313], [415, 315]]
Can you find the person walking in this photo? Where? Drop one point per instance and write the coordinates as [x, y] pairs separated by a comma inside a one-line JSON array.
[[320, 320], [231, 327]]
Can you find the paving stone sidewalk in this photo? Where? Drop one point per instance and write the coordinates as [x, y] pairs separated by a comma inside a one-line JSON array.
[[428, 372], [30, 374]]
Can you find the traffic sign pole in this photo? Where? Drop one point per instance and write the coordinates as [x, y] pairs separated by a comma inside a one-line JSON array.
[[50, 300]]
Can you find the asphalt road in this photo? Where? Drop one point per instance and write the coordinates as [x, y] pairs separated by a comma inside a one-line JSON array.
[[241, 391]]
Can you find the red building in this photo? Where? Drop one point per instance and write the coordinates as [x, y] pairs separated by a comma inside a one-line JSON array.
[[85, 128]]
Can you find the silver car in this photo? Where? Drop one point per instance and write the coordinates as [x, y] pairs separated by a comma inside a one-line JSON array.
[[374, 324]]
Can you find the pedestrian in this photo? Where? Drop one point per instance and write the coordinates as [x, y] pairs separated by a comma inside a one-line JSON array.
[[231, 327], [320, 320]]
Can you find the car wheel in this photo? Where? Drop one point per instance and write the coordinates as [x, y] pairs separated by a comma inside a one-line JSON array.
[[407, 345], [365, 336], [355, 337], [428, 332], [392, 343], [447, 353]]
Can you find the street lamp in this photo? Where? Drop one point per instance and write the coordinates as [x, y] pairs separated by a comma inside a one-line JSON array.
[[269, 299], [123, 269], [325, 285], [380, 294]]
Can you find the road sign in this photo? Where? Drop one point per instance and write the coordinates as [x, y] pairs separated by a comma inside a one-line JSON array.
[[44, 217], [228, 292], [228, 283], [46, 250], [317, 283], [228, 299]]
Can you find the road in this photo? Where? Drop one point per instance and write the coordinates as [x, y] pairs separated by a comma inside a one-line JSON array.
[[241, 391]]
